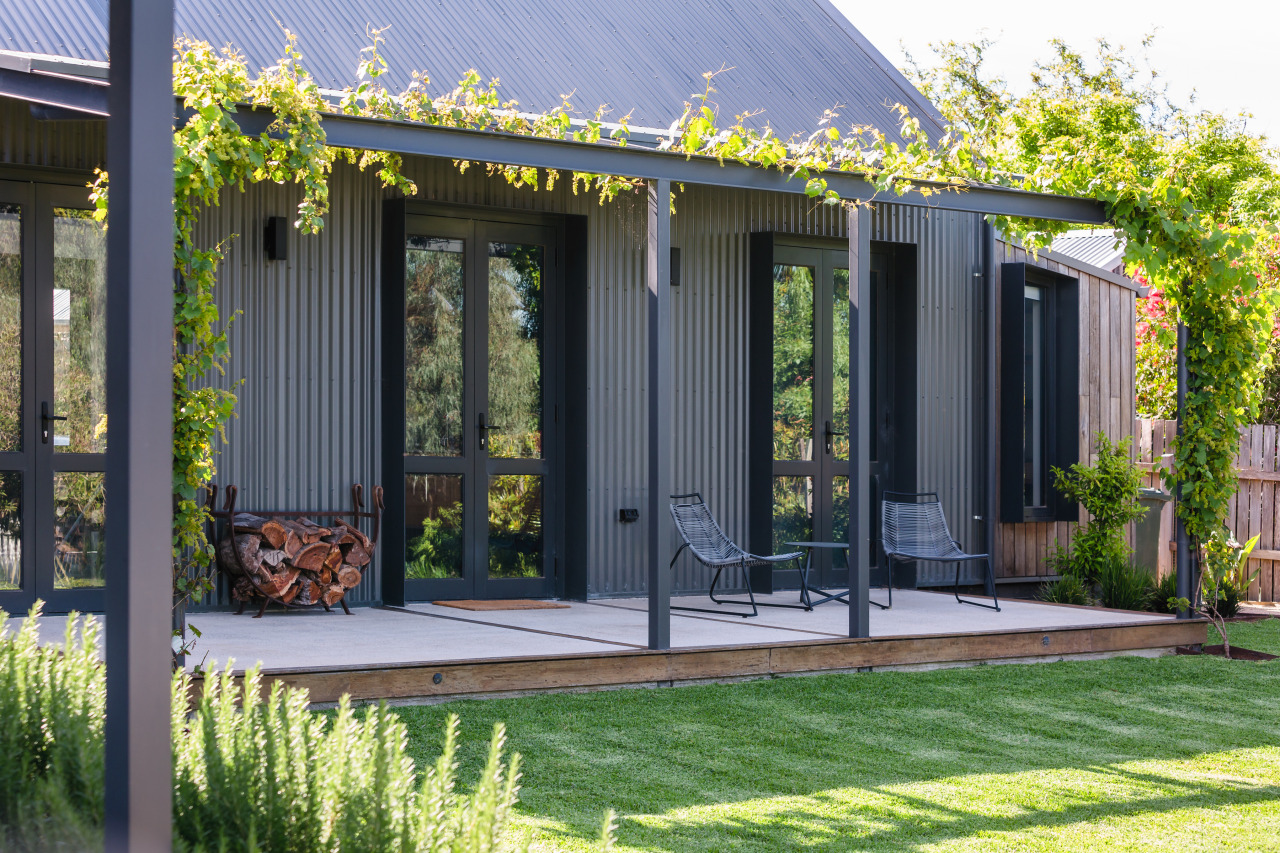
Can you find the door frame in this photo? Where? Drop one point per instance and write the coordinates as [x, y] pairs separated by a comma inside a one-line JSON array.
[[761, 466], [38, 461], [396, 589]]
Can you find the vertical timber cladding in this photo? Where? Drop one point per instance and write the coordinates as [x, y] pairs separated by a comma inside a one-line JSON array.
[[1106, 399]]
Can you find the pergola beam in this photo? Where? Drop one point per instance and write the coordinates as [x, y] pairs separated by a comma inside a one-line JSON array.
[[403, 137]]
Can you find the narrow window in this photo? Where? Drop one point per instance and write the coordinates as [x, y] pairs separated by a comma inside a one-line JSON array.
[[1034, 378], [1039, 391]]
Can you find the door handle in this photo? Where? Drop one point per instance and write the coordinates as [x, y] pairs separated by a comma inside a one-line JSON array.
[[485, 428], [830, 434], [45, 419]]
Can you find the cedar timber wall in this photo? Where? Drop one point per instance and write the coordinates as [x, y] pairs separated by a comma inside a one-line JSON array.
[[1106, 399]]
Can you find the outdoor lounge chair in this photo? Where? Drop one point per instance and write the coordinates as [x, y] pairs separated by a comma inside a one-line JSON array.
[[916, 529], [711, 547]]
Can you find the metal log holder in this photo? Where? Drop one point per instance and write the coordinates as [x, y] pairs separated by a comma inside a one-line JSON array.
[[228, 513]]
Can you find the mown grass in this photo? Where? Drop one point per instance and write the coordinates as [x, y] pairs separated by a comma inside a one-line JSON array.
[[1120, 754]]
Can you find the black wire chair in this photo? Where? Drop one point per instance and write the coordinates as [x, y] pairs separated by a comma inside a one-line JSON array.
[[711, 547], [917, 530]]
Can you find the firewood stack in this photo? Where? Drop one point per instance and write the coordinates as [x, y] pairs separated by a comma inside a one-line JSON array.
[[293, 561]]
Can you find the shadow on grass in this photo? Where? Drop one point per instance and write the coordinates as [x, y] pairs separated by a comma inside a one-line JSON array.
[[686, 767]]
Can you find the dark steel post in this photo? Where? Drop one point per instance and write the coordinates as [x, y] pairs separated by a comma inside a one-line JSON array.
[[990, 509], [661, 378], [860, 535], [1182, 562], [139, 380]]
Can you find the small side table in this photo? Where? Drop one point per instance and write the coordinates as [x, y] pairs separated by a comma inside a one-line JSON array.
[[806, 588]]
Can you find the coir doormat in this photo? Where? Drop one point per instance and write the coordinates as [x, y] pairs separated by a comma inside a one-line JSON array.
[[503, 604]]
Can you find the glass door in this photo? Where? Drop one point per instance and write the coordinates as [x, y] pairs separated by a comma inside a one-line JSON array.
[[811, 402], [479, 417], [53, 427]]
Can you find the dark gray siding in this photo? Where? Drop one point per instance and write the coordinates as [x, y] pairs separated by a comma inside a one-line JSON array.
[[792, 60]]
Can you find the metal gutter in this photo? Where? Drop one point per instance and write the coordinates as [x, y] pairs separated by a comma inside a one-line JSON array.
[[432, 141]]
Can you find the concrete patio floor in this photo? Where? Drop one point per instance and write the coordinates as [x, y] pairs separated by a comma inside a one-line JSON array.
[[423, 633]]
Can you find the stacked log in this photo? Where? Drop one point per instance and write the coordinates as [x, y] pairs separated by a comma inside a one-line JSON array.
[[294, 561]]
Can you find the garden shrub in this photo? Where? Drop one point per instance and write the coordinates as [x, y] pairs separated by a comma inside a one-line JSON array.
[[1108, 491], [52, 708], [1068, 589], [1164, 591], [250, 772], [1124, 587]]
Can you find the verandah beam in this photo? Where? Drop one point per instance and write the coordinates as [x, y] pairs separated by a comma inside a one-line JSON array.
[[405, 137], [661, 384], [139, 479]]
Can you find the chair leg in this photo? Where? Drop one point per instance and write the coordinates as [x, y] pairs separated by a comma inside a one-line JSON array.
[[990, 584], [711, 593]]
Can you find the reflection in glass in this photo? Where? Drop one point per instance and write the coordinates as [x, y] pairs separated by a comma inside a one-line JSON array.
[[1033, 420], [840, 363], [840, 511], [10, 328], [78, 527], [433, 526], [515, 526], [792, 362], [515, 350], [79, 331], [435, 279], [10, 530], [792, 511]]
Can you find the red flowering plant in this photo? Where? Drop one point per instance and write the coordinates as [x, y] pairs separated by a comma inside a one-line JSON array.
[[1155, 337]]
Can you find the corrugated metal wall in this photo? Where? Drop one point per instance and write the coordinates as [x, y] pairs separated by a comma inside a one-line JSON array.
[[949, 414], [304, 340], [307, 344]]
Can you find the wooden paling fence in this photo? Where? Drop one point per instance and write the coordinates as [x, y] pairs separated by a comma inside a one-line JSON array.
[[1254, 509]]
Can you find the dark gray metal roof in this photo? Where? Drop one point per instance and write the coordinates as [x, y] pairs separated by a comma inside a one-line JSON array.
[[793, 59]]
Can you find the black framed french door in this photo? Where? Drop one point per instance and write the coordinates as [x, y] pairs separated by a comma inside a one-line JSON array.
[[810, 482], [53, 427], [809, 397], [481, 434]]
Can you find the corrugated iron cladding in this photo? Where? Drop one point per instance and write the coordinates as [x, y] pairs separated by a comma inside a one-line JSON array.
[[789, 59], [304, 341]]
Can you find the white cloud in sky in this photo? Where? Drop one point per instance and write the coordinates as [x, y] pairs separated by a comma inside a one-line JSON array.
[[1224, 50]]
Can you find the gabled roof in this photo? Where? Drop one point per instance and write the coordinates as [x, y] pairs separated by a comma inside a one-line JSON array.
[[792, 59]]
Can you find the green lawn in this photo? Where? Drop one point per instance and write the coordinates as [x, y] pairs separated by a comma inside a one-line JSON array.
[[1123, 754]]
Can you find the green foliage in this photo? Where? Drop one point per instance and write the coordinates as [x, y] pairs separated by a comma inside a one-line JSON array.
[[1067, 589], [1224, 580], [1108, 491], [52, 702], [1164, 594], [252, 771], [1124, 586], [272, 775], [1193, 194]]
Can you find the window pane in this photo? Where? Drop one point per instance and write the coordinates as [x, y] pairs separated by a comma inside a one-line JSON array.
[[515, 350], [10, 530], [78, 526], [435, 278], [792, 511], [79, 332], [840, 362], [10, 328], [1033, 416], [515, 526], [792, 362], [433, 526]]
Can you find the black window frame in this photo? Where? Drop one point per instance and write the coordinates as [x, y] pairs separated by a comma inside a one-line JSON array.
[[1060, 297]]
